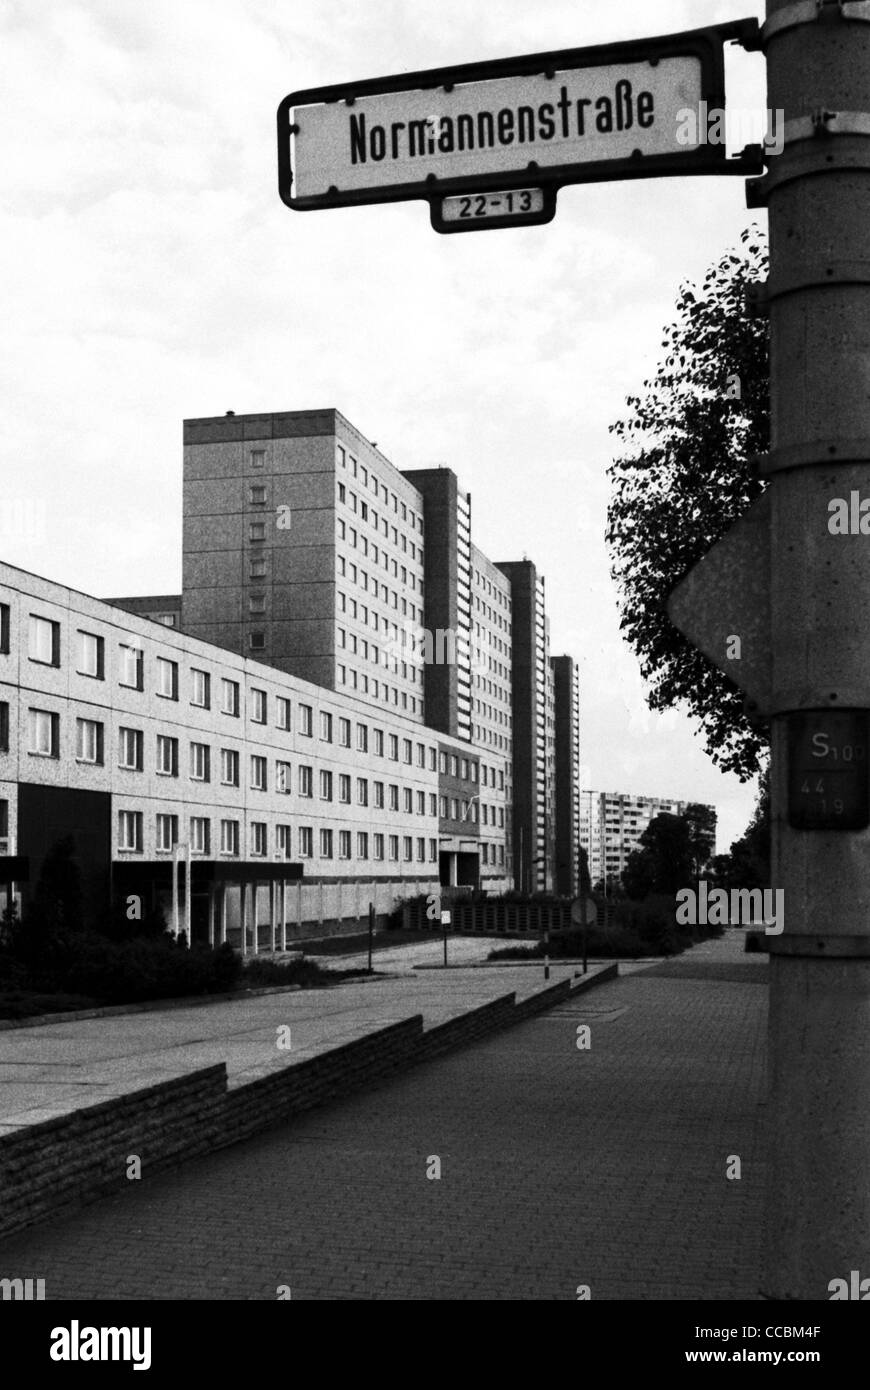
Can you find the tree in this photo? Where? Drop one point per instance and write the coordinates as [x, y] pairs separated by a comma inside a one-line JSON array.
[[683, 476], [747, 865], [57, 898], [701, 821], [664, 861]]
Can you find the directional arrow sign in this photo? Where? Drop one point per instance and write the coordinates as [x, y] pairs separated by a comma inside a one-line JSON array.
[[727, 596], [615, 111]]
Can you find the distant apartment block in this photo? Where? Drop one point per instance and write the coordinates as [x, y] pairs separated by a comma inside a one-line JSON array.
[[611, 824]]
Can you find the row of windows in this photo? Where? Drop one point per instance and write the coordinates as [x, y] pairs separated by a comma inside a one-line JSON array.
[[330, 843], [367, 479], [357, 575], [44, 740], [377, 689], [379, 555]]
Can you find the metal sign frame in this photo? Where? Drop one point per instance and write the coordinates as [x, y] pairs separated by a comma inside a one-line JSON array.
[[514, 219], [705, 44]]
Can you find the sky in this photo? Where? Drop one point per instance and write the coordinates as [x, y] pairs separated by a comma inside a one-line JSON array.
[[150, 273]]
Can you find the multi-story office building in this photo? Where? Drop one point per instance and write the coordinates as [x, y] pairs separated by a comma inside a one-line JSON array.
[[612, 824], [316, 576], [133, 738], [566, 702]]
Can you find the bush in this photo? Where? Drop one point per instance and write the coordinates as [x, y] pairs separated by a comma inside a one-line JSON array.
[[120, 972]]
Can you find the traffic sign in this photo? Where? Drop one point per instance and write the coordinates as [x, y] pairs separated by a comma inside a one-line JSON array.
[[614, 111]]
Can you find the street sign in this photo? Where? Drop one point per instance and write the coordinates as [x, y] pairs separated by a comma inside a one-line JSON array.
[[828, 782], [513, 207], [614, 111]]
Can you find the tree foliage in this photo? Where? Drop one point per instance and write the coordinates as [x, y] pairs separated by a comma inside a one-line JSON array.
[[664, 861], [682, 476], [747, 863]]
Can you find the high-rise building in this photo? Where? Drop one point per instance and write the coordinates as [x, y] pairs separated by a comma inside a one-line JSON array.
[[566, 700], [612, 824], [533, 730]]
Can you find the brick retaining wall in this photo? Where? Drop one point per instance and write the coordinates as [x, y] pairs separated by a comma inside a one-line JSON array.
[[64, 1161]]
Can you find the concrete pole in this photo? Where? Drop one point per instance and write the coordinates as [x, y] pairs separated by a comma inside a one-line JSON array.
[[223, 912], [175, 922], [273, 908], [818, 195], [243, 905], [212, 913], [188, 892]]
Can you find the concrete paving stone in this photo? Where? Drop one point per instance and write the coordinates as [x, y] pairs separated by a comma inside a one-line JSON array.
[[560, 1167]]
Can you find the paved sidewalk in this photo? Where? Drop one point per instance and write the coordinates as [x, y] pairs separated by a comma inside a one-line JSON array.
[[559, 1167], [63, 1066]]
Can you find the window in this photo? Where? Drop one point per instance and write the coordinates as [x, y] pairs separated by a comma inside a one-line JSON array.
[[167, 678], [167, 832], [258, 706], [442, 764], [258, 458], [257, 568], [433, 851], [283, 712], [326, 844], [344, 844], [378, 846], [362, 738], [282, 777], [421, 803], [325, 786], [465, 769], [454, 765], [344, 788], [44, 640], [406, 750], [394, 797], [442, 807], [306, 780], [130, 831], [379, 743], [306, 842], [325, 727], [257, 641], [256, 603], [342, 492], [257, 494], [454, 808], [258, 772], [89, 741], [201, 689], [259, 843], [407, 848], [421, 755], [4, 628], [379, 795], [257, 531], [229, 837], [394, 748], [283, 845], [394, 848], [200, 835], [167, 755], [200, 762], [344, 733], [230, 697], [421, 849], [4, 726], [131, 667], [44, 733], [433, 804], [90, 660], [362, 844], [130, 749], [306, 721], [408, 799], [362, 791], [229, 767]]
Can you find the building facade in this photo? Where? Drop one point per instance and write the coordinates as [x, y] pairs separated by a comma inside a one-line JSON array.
[[611, 824], [348, 702], [569, 841]]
